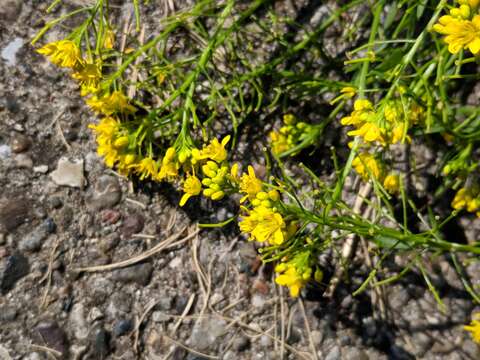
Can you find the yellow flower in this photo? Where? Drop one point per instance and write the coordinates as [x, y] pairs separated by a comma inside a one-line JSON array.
[[215, 150], [279, 142], [147, 167], [291, 277], [116, 102], [466, 198], [397, 134], [460, 33], [168, 169], [366, 165], [109, 40], [391, 183], [348, 91], [64, 53], [191, 187], [472, 3], [474, 328], [105, 133], [88, 76], [369, 131], [250, 185], [463, 12], [264, 225], [362, 111]]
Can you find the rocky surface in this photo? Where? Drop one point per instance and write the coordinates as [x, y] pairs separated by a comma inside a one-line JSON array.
[[59, 214]]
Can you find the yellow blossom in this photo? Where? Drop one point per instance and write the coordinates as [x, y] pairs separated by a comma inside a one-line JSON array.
[[348, 91], [215, 150], [88, 76], [474, 328], [106, 132], [191, 187], [109, 39], [279, 142], [146, 168], [366, 165], [64, 53], [391, 183], [264, 225], [292, 279], [250, 185], [116, 102], [168, 169], [460, 33], [369, 131]]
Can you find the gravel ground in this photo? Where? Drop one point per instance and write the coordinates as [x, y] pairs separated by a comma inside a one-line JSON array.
[[198, 295]]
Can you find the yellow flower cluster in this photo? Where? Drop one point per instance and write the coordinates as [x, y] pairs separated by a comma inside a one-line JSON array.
[[368, 166], [296, 273], [468, 198], [289, 135], [66, 53], [474, 328], [461, 27], [112, 144], [387, 127], [110, 104]]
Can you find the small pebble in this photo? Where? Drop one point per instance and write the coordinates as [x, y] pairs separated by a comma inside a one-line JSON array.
[[122, 327], [20, 143], [68, 173], [40, 169]]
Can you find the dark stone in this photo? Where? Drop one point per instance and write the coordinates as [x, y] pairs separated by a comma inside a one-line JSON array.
[[132, 224], [100, 343], [16, 267], [55, 202], [14, 213], [33, 241], [53, 336], [11, 102], [139, 274], [241, 343], [7, 313], [122, 327]]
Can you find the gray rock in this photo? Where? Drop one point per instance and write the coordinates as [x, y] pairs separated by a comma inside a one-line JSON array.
[[69, 173], [23, 161], [7, 313], [20, 143], [159, 316], [109, 242], [40, 169], [9, 52], [33, 241], [139, 274], [353, 353], [122, 327], [106, 194], [10, 10], [132, 224], [334, 354], [13, 213], [78, 322], [95, 314], [78, 351], [5, 151], [206, 332], [15, 267], [53, 336]]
